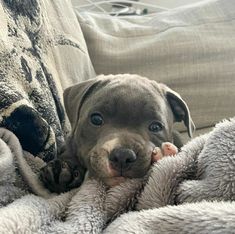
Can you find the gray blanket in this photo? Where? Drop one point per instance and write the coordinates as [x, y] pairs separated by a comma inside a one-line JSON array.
[[189, 193]]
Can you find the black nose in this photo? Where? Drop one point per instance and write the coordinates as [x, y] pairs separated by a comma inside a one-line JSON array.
[[122, 158]]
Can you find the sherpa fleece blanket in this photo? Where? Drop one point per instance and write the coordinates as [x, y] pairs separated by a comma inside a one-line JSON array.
[[192, 192]]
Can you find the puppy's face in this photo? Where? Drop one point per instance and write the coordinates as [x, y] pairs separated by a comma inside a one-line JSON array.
[[117, 122]]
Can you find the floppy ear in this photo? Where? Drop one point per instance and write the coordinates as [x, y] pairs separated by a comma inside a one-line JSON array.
[[179, 108], [75, 96]]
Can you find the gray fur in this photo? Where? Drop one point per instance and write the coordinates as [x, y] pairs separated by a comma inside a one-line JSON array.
[[128, 105]]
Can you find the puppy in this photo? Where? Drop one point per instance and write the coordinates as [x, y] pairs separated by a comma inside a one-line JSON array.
[[117, 121]]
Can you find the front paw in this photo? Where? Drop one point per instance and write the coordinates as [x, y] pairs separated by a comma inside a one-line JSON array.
[[59, 177]]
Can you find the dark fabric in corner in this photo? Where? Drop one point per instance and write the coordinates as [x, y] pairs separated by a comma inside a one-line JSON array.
[[29, 102]]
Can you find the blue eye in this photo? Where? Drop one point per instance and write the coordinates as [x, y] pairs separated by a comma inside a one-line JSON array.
[[97, 119], [155, 126]]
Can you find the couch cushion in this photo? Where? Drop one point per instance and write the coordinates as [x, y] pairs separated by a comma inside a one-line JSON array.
[[191, 49]]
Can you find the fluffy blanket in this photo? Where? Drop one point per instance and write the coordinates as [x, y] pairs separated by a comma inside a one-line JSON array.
[[22, 212], [202, 177], [189, 193]]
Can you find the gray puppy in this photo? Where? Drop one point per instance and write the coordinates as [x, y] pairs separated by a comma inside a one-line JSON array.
[[116, 120]]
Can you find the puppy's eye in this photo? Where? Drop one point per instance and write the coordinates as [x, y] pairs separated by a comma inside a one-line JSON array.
[[97, 119], [155, 126]]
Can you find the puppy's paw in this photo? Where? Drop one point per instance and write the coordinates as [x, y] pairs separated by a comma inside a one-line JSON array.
[[59, 177], [156, 154], [169, 149]]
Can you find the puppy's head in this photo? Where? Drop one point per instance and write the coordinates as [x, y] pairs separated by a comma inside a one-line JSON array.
[[118, 120]]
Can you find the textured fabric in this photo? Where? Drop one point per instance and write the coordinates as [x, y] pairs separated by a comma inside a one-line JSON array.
[[22, 212], [183, 192], [191, 49], [42, 51], [171, 201]]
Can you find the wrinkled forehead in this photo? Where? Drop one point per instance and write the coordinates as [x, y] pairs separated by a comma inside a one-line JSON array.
[[128, 101], [127, 95]]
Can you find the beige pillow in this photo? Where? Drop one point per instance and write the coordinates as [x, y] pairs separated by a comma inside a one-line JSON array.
[[68, 57], [191, 49]]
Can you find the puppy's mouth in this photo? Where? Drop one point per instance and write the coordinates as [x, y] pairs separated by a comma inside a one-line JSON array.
[[116, 173], [115, 164], [113, 175]]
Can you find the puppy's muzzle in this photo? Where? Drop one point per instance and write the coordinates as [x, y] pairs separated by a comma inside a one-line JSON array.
[[121, 159]]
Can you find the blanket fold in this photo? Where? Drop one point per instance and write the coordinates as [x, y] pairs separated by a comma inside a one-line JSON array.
[[169, 202], [193, 192]]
